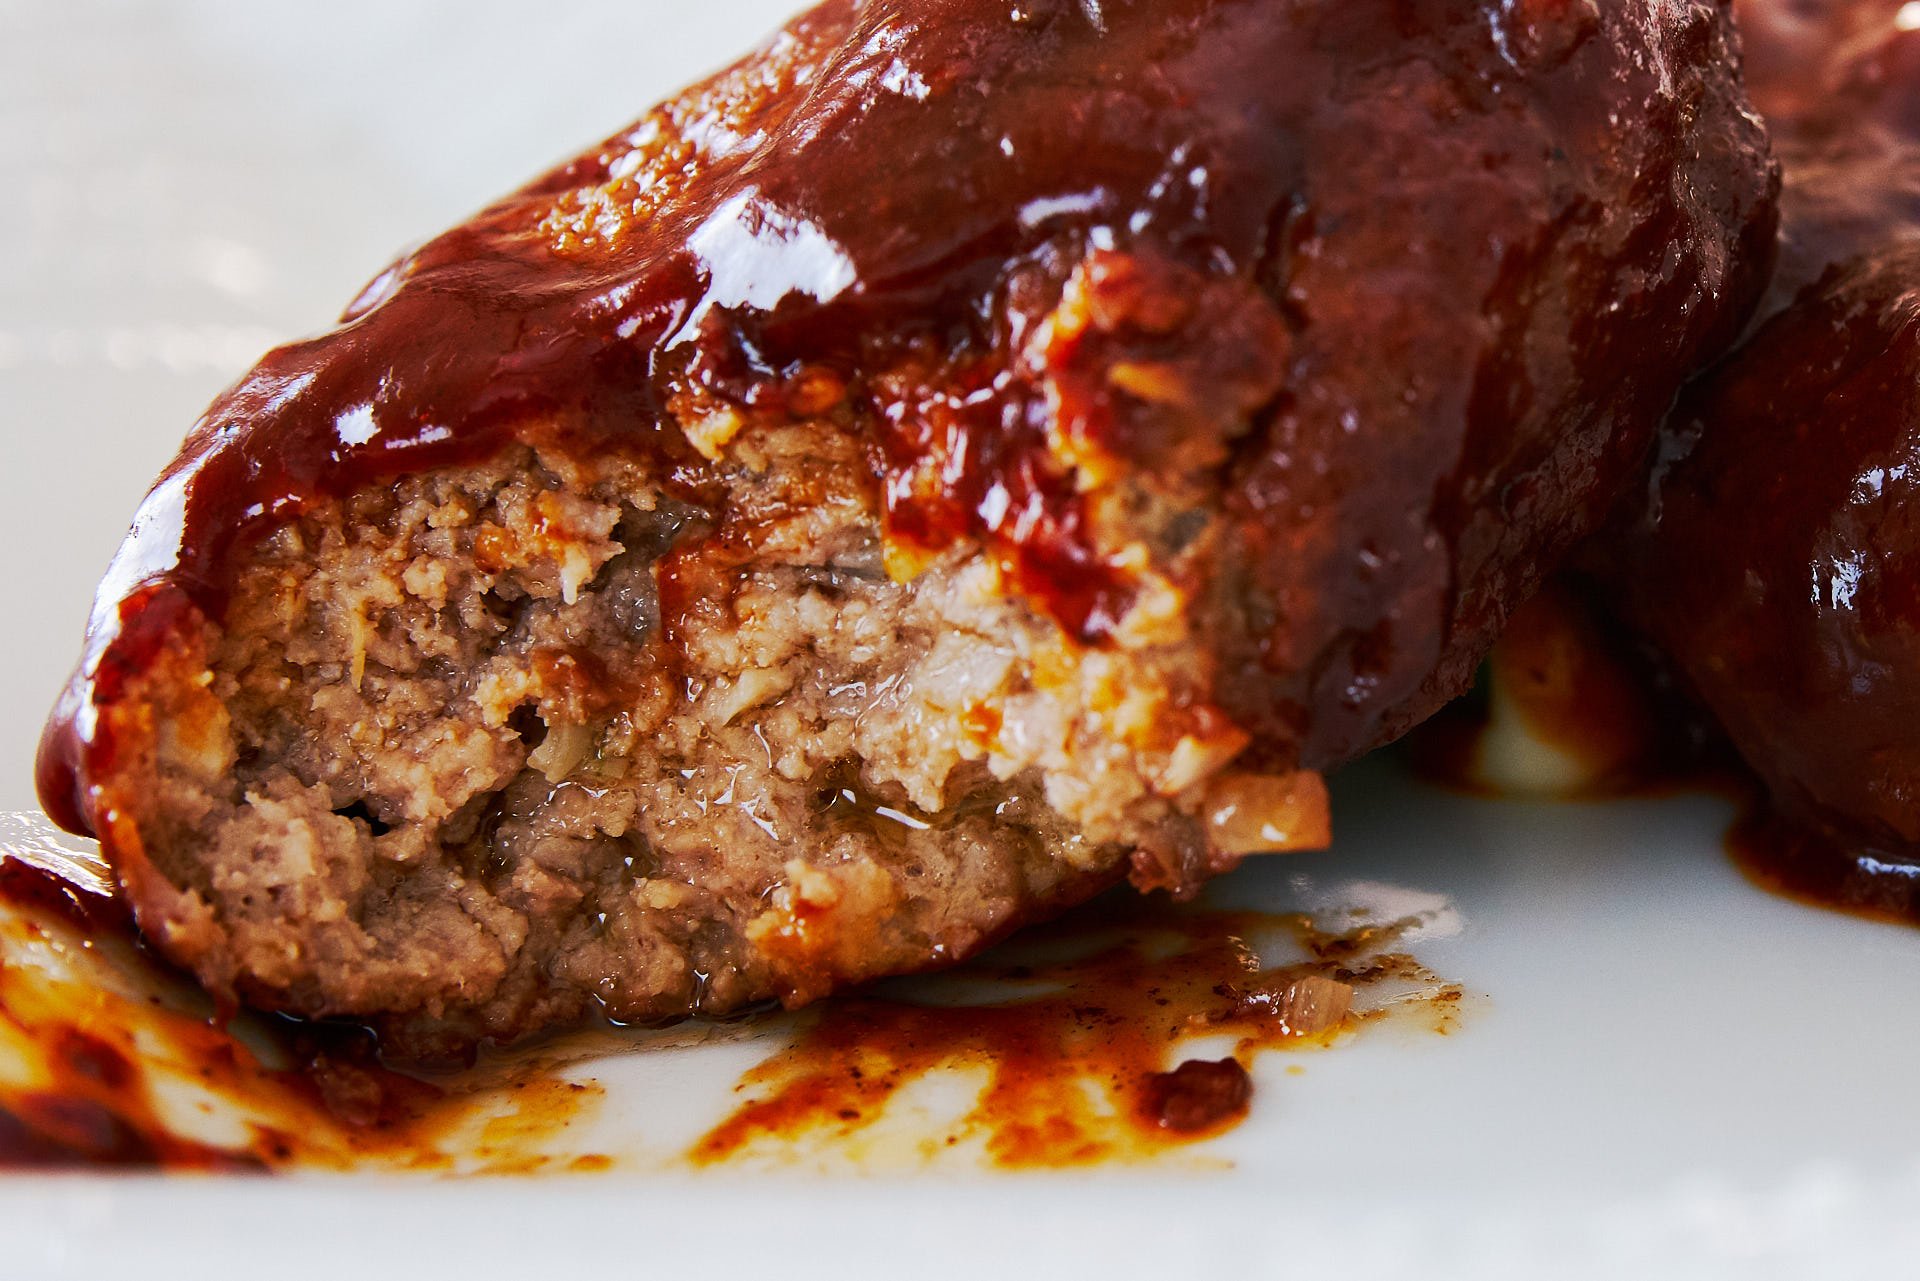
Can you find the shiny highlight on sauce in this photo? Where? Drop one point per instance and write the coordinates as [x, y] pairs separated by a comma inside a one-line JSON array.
[[1795, 861]]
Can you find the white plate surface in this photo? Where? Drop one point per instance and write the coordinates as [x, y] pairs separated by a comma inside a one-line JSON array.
[[1665, 1072]]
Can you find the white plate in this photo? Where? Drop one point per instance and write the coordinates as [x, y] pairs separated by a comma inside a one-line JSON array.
[[1664, 1071]]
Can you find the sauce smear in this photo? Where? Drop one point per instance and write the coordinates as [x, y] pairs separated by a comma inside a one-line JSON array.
[[1797, 861], [110, 1060], [1120, 1033], [1091, 1050]]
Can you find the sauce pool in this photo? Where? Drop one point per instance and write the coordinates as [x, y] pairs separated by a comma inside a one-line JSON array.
[[1796, 861], [1134, 1035], [1122, 1033]]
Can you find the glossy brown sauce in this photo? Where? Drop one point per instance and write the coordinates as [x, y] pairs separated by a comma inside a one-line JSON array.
[[756, 259], [1083, 1052], [1076, 1036], [1795, 860], [110, 1059], [1839, 82]]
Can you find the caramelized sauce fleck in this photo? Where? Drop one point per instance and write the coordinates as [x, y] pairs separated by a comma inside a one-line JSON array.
[[1198, 1096], [1083, 1040]]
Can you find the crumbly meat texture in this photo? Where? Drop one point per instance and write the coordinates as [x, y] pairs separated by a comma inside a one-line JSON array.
[[444, 758], [928, 473]]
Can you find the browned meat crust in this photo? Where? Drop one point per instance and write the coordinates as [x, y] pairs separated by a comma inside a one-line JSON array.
[[1784, 576], [959, 456], [1778, 559]]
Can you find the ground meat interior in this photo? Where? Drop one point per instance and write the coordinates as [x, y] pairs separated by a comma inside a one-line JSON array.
[[955, 459], [443, 758]]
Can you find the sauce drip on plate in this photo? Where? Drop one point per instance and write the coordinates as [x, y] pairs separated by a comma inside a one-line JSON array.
[[1117, 1034], [1773, 562], [108, 1059], [1122, 1033], [1799, 862]]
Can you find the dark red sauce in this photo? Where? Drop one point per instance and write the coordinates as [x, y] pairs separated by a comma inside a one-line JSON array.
[[1807, 433], [1818, 698], [1793, 464], [1083, 1053], [1839, 84], [1079, 1026], [96, 1114], [1198, 1096], [1801, 861], [108, 1046], [791, 253]]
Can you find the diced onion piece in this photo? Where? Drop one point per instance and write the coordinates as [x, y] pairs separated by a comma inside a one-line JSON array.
[[1314, 1004], [745, 692], [562, 751], [711, 435], [358, 631], [1262, 813], [1154, 382]]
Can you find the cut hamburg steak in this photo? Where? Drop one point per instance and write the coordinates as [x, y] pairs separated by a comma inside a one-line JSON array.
[[1776, 555], [960, 457]]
